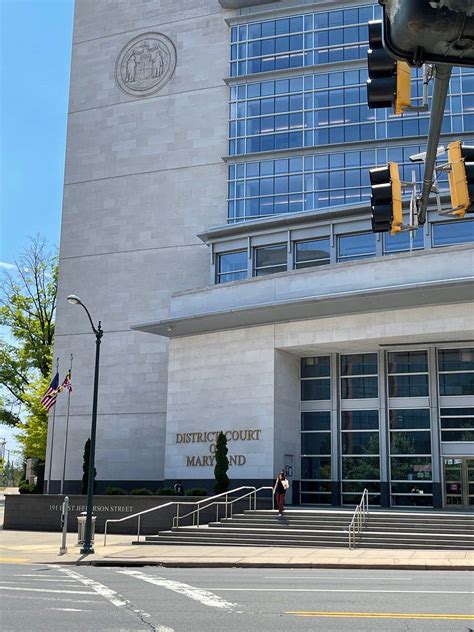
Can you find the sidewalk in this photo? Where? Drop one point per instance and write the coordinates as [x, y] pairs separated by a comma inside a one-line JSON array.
[[23, 547]]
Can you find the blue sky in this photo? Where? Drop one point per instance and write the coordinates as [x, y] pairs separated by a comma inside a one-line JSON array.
[[35, 55], [35, 59]]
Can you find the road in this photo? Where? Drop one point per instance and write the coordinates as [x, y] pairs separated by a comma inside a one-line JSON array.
[[37, 597]]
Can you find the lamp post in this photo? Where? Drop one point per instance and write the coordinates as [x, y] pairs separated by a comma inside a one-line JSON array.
[[87, 545]]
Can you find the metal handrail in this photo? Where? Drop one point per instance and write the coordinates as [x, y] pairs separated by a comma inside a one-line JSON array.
[[226, 503], [359, 518], [177, 503]]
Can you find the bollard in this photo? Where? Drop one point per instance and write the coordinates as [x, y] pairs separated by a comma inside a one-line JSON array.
[[64, 513]]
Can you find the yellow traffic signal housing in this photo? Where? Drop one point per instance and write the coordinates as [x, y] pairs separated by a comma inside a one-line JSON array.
[[403, 94], [386, 199], [459, 185]]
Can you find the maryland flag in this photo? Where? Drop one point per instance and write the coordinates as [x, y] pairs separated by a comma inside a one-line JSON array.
[[49, 398]]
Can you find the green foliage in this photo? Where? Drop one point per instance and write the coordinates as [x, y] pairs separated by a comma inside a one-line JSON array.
[[165, 491], [115, 491], [141, 491], [85, 468], [27, 488], [222, 464], [27, 309], [196, 491]]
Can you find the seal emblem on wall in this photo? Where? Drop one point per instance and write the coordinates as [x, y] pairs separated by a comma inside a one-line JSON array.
[[146, 64]]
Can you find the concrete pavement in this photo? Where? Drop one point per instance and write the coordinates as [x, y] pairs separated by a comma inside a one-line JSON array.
[[43, 547]]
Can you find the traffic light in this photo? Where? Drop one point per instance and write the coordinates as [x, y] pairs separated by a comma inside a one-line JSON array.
[[389, 82], [461, 177], [386, 199]]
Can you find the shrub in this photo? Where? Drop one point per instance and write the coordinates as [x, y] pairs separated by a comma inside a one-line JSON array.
[[115, 491], [141, 491], [165, 491], [196, 491], [222, 465], [26, 488]]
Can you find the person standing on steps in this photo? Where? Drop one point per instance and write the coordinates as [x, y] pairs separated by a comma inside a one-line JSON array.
[[279, 489]]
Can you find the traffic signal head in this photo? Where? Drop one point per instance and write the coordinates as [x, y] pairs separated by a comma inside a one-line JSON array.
[[389, 82], [461, 177], [386, 199]]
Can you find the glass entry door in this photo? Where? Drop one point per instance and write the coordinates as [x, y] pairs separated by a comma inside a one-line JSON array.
[[459, 482]]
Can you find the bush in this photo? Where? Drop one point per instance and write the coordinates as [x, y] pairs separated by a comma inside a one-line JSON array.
[[141, 491], [115, 491], [196, 491], [26, 488], [165, 491]]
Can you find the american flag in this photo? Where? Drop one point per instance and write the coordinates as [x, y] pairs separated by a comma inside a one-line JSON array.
[[49, 398], [67, 382]]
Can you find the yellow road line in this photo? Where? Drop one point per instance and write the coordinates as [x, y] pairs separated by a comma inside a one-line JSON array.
[[383, 615]]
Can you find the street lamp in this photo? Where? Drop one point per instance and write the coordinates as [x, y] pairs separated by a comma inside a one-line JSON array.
[[87, 544]]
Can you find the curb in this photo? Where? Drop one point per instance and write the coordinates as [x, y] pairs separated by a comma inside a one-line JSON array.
[[295, 565]]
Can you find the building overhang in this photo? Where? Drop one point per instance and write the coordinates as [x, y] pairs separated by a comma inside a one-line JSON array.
[[407, 280], [243, 4]]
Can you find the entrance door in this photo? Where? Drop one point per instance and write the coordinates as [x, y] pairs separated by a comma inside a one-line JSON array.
[[459, 482]]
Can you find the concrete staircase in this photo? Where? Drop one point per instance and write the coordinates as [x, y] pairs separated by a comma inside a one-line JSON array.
[[329, 528]]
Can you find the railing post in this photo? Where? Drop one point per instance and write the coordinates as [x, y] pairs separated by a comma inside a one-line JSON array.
[[177, 515], [139, 523], [197, 515], [105, 533]]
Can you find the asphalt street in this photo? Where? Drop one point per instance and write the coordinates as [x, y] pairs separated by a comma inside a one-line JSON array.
[[37, 597]]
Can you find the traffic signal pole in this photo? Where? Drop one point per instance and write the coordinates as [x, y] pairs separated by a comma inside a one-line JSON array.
[[442, 75]]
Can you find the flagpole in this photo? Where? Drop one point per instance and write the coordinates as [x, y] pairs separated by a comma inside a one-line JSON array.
[[67, 427], [52, 437]]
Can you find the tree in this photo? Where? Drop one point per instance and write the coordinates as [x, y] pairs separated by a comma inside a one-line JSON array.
[[222, 465], [85, 468], [27, 310]]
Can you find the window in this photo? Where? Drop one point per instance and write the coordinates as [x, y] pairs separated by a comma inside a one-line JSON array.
[[358, 246], [270, 259], [309, 183], [456, 372], [359, 376], [408, 374], [315, 378], [360, 455], [299, 40], [316, 456], [453, 232], [403, 242], [410, 456], [457, 424], [311, 253], [232, 266]]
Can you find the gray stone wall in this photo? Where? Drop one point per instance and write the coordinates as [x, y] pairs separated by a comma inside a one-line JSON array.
[[143, 177]]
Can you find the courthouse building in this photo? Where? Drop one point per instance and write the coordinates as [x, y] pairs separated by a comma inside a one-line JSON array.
[[216, 220]]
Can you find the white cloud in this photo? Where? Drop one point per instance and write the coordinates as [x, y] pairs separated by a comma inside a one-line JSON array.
[[7, 266]]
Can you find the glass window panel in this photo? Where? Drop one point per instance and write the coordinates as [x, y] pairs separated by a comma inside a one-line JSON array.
[[361, 468], [312, 253], [456, 359], [408, 468], [315, 486], [316, 367], [359, 364], [356, 246], [451, 384], [418, 442], [360, 442], [316, 443], [315, 390], [359, 419], [412, 240], [359, 387], [408, 385], [318, 420], [453, 232], [316, 467], [456, 435], [411, 419], [270, 255]]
